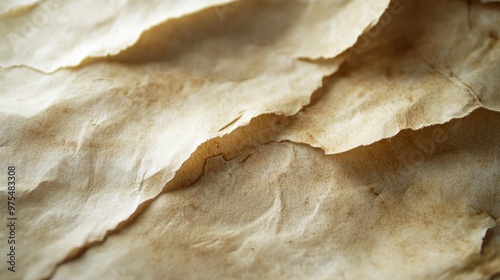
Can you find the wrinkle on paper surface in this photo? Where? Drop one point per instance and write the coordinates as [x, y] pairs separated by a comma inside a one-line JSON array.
[[100, 140], [110, 136], [287, 210], [57, 33], [331, 26], [428, 64]]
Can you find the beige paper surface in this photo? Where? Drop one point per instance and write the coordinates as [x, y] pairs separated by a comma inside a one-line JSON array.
[[96, 143], [432, 62], [331, 27], [101, 139], [11, 5], [57, 33], [389, 210], [313, 28], [93, 144]]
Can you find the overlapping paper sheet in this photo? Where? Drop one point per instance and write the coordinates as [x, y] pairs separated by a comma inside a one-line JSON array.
[[415, 207], [286, 211], [58, 33], [93, 143], [426, 62]]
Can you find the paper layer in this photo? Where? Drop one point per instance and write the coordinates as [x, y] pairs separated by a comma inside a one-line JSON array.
[[57, 33], [420, 67], [108, 110], [79, 32], [99, 141], [389, 210]]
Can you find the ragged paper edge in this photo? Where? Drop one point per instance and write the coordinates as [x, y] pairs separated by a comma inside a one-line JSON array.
[[466, 109], [192, 170], [125, 54], [241, 135], [328, 151], [374, 22], [230, 147], [138, 37], [117, 51], [248, 135], [261, 130]]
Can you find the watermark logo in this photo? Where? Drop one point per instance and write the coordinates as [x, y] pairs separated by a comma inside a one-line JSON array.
[[20, 37]]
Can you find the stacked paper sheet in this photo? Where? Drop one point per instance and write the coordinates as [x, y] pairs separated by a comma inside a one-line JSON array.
[[254, 139]]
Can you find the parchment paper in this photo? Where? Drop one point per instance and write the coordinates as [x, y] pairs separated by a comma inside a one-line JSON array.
[[114, 135], [331, 27], [386, 211], [58, 33], [92, 144], [434, 61]]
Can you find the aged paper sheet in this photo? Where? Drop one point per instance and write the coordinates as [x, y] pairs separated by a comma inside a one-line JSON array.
[[58, 33], [97, 142], [424, 66], [390, 210], [179, 139]]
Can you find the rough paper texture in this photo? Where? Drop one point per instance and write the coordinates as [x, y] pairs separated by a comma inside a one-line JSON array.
[[386, 211], [432, 62], [99, 141], [155, 113], [330, 26], [57, 33]]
